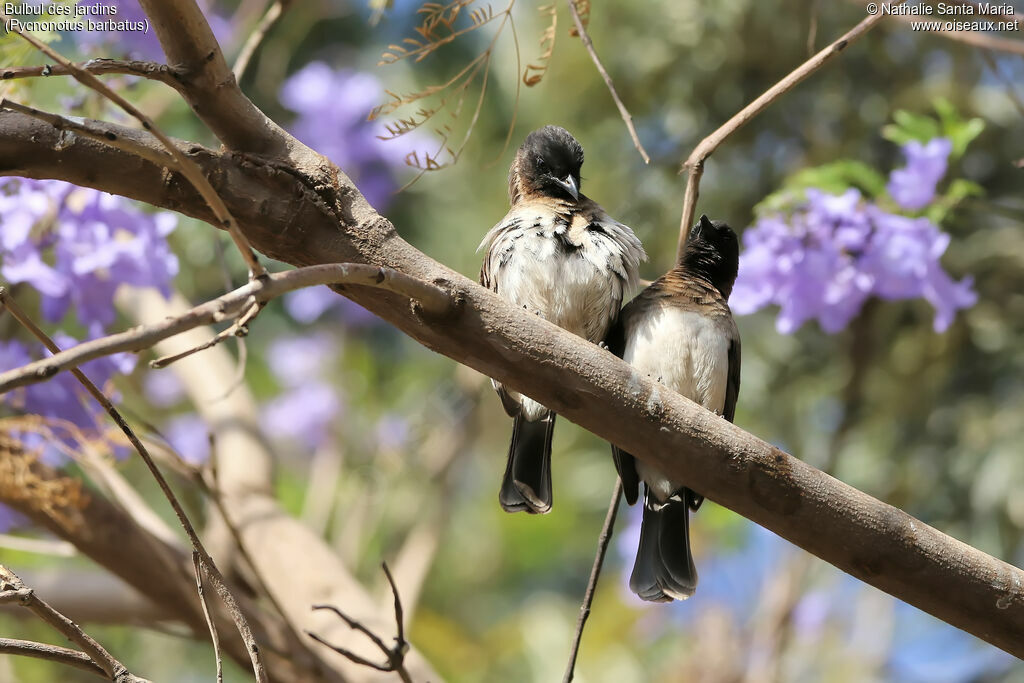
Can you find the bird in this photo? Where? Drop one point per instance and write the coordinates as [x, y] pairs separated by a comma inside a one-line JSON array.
[[680, 332], [557, 254]]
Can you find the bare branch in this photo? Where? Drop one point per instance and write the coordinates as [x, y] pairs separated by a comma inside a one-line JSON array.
[[53, 653], [186, 166], [432, 299], [694, 164], [395, 655], [148, 70], [93, 131], [972, 38], [296, 221], [273, 15], [217, 578], [239, 329], [623, 112], [197, 565], [11, 587], [208, 85], [595, 572]]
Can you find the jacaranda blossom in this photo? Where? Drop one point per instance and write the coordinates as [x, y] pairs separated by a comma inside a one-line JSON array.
[[829, 254]]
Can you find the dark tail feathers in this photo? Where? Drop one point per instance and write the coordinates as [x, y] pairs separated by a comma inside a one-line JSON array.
[[527, 482], [664, 569]]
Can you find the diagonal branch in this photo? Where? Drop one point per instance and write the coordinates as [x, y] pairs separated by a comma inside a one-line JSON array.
[[208, 85], [432, 299], [93, 130], [13, 589], [395, 656], [220, 585], [267, 22], [289, 219], [128, 67], [694, 164], [53, 653], [623, 112], [595, 573], [182, 163]]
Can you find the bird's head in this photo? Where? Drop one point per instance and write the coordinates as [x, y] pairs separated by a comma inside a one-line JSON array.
[[713, 252], [548, 164]]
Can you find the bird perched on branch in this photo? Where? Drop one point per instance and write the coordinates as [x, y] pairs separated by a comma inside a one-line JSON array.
[[680, 332], [559, 255]]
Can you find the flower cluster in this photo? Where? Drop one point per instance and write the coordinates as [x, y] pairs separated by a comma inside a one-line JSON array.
[[832, 252], [332, 106], [310, 403], [76, 247]]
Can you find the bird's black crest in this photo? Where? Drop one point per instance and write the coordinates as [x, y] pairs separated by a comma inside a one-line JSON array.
[[547, 155], [713, 252]]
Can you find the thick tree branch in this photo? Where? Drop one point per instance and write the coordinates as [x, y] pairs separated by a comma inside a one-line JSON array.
[[208, 84], [220, 584], [305, 224], [110, 537], [182, 163], [694, 164], [94, 130], [277, 543]]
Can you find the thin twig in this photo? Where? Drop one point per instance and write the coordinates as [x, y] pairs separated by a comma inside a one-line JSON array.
[[152, 71], [239, 328], [595, 572], [53, 653], [197, 566], [623, 112], [812, 29], [1011, 87], [214, 493], [694, 164], [13, 588], [395, 655], [973, 38], [214, 573], [88, 129], [269, 20], [186, 166], [430, 298]]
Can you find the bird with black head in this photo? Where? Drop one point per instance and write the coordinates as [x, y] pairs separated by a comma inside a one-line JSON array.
[[680, 332], [559, 255]]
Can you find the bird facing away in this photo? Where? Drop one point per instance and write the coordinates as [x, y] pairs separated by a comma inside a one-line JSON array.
[[559, 255], [680, 332]]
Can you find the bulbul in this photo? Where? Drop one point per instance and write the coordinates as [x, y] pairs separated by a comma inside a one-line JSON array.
[[680, 332], [559, 255]]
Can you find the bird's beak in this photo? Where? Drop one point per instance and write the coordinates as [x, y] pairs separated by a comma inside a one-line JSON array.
[[568, 183]]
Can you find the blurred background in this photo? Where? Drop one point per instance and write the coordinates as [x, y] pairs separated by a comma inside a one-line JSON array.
[[394, 453]]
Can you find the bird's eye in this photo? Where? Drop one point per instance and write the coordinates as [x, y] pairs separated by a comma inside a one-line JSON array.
[[542, 166]]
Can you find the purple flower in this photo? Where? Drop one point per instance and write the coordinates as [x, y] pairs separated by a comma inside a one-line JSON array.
[[189, 437], [308, 304], [297, 360], [303, 414], [332, 106], [163, 388], [913, 186], [392, 432], [826, 258], [76, 247]]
